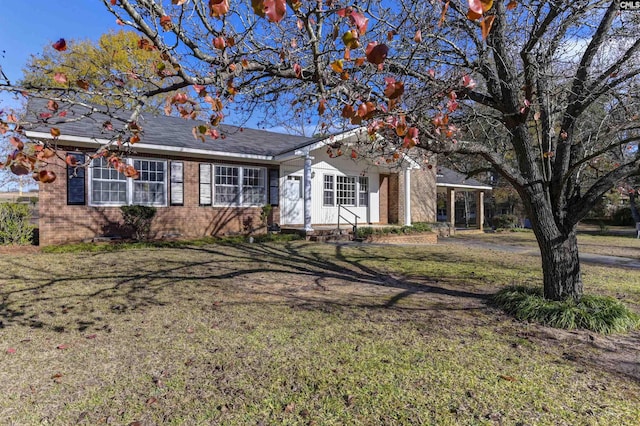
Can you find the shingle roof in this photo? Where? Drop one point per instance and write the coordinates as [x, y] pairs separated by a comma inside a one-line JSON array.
[[171, 132], [448, 177]]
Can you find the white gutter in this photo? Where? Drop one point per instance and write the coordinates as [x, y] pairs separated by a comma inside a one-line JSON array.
[[453, 185], [82, 141]]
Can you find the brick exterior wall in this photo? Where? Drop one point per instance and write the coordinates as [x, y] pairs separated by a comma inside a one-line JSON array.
[[62, 223], [394, 198], [423, 195], [384, 199]]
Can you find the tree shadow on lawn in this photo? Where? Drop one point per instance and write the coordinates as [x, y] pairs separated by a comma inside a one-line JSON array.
[[115, 287], [294, 272]]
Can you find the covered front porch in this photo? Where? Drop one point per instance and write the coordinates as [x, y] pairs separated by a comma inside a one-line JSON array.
[[460, 201]]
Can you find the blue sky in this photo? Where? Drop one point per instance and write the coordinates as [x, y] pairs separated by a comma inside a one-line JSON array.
[[27, 26]]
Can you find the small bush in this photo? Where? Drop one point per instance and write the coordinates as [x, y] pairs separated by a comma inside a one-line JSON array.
[[367, 231], [139, 219], [14, 224], [622, 217], [596, 313], [505, 221]]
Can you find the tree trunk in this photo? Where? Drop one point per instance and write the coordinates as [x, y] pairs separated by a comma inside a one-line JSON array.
[[634, 208], [561, 266]]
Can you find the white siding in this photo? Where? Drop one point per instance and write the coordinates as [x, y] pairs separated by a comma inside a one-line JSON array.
[[341, 166]]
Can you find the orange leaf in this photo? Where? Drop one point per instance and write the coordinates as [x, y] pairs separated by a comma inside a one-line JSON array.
[[219, 43], [55, 132], [218, 8], [512, 5], [337, 65], [376, 53], [486, 24], [165, 23], [60, 45], [418, 37], [321, 106], [71, 160], [60, 77]]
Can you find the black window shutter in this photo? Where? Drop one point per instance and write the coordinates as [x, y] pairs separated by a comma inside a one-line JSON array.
[[76, 182]]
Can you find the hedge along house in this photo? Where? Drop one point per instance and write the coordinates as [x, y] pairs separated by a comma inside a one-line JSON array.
[[219, 187]]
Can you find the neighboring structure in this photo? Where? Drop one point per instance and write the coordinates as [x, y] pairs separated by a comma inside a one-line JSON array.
[[219, 187], [469, 207]]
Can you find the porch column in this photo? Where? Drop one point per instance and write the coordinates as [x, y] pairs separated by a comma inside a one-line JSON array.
[[307, 193], [480, 209], [407, 196], [451, 209]]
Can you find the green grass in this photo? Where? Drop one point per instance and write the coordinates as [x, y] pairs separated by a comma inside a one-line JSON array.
[[299, 333], [596, 313]]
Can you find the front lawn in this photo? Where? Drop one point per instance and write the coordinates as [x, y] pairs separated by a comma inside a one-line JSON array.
[[300, 333]]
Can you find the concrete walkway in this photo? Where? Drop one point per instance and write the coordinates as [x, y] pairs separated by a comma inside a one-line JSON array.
[[591, 258]]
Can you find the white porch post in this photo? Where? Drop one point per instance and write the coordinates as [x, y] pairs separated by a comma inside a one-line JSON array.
[[307, 193], [451, 209], [407, 196], [480, 209]]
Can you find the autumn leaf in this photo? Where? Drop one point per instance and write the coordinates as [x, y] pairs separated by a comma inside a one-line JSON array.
[[60, 77], [337, 65], [219, 43], [298, 70], [179, 2], [486, 25], [468, 82], [11, 351], [17, 143], [52, 106], [351, 39], [61, 347], [55, 132], [376, 53], [71, 160], [508, 378], [60, 45], [418, 37], [274, 10], [165, 23], [394, 88], [218, 8], [512, 5], [322, 106]]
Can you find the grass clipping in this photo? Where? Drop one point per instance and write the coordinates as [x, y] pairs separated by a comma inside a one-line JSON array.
[[596, 313]]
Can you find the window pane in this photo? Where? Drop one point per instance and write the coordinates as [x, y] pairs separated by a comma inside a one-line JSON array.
[[108, 185], [328, 197], [253, 186], [363, 191], [150, 188], [346, 190]]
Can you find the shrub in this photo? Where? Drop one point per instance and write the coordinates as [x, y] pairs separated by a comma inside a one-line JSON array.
[[596, 313], [14, 224], [505, 221], [138, 218], [622, 217], [367, 231]]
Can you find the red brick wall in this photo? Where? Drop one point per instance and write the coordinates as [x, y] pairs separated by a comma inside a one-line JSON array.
[[60, 223], [384, 199]]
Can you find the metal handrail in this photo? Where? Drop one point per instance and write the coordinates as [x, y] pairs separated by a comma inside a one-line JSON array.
[[354, 224]]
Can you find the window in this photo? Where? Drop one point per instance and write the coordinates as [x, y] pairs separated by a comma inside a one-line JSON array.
[[274, 187], [76, 182], [110, 187], [253, 186], [177, 183], [226, 185], [346, 190], [149, 189], [205, 184], [363, 191], [233, 185], [328, 194]]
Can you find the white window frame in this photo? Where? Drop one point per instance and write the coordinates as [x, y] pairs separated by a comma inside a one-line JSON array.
[[240, 188], [358, 192], [329, 189], [129, 185]]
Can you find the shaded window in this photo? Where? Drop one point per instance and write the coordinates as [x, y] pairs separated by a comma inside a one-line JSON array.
[[76, 183], [205, 184], [328, 191], [177, 183]]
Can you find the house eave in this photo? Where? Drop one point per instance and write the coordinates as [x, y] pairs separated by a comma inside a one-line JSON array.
[[462, 186], [84, 142]]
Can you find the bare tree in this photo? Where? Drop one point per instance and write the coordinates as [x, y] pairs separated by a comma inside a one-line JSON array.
[[545, 93]]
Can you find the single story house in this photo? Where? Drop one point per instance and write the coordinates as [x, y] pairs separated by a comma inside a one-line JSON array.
[[220, 186]]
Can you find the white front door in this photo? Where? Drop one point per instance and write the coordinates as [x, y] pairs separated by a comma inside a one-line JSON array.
[[293, 201]]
